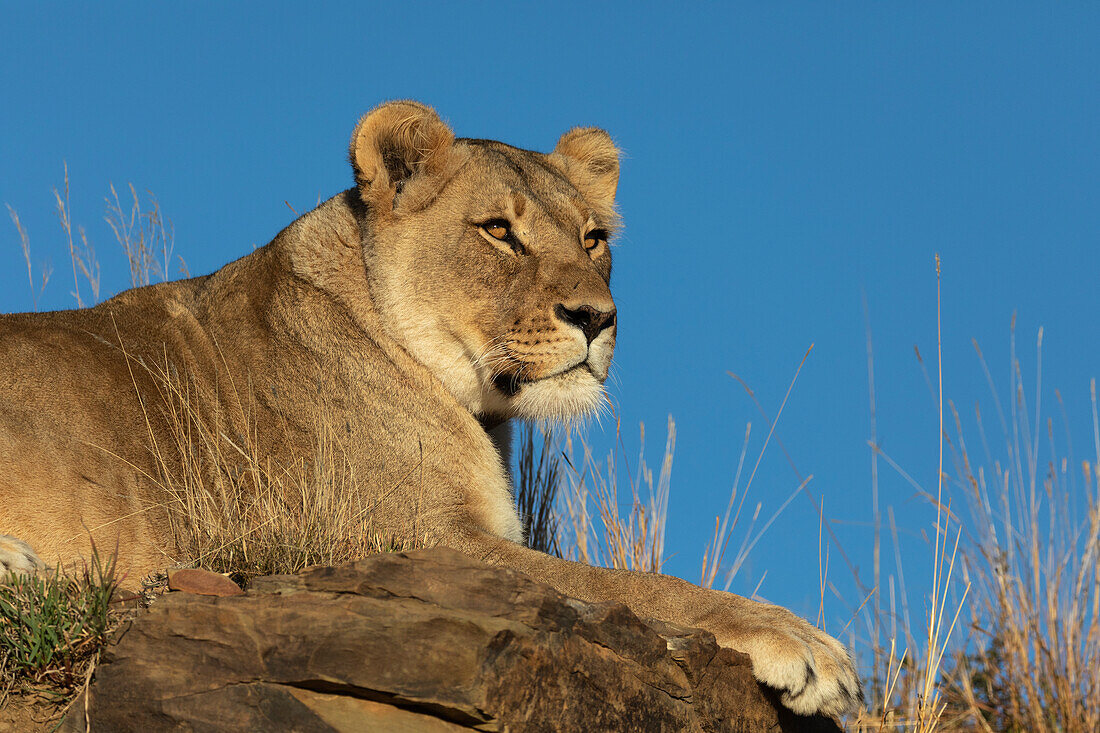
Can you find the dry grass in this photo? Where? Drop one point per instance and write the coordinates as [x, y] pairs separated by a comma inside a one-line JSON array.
[[237, 510], [1026, 655], [145, 236], [630, 540], [81, 256], [912, 693], [139, 227], [25, 245], [907, 688], [714, 555], [1033, 658]]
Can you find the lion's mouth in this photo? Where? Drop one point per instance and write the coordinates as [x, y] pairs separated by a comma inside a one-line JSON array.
[[509, 384]]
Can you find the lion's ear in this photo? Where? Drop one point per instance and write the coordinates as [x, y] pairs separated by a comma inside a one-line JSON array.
[[591, 161], [395, 142]]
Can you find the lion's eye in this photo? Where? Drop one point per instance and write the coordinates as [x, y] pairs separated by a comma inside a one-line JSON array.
[[594, 238], [497, 230], [500, 230]]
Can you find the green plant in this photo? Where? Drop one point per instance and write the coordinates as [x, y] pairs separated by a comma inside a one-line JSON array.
[[52, 624]]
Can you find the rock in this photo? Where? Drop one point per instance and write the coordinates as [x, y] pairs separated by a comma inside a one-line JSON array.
[[203, 583], [422, 641]]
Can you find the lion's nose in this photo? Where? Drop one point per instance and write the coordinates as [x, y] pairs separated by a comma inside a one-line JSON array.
[[588, 319]]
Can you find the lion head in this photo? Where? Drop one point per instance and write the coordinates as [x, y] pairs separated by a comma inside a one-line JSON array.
[[491, 263]]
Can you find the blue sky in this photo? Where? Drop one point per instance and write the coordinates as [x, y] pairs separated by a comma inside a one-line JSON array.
[[782, 162]]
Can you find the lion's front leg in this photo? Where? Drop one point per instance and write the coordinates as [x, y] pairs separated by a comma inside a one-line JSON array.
[[811, 670], [17, 557]]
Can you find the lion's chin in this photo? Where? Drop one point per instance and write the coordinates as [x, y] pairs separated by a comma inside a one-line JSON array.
[[566, 397]]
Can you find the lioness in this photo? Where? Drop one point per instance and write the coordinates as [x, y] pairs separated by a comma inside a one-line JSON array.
[[459, 284]]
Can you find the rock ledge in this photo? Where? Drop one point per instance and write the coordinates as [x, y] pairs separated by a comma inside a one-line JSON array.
[[422, 641]]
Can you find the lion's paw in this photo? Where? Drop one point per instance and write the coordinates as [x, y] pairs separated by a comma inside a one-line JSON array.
[[17, 557], [811, 670]]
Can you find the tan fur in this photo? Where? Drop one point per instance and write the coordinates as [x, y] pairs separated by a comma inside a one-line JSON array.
[[389, 312]]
